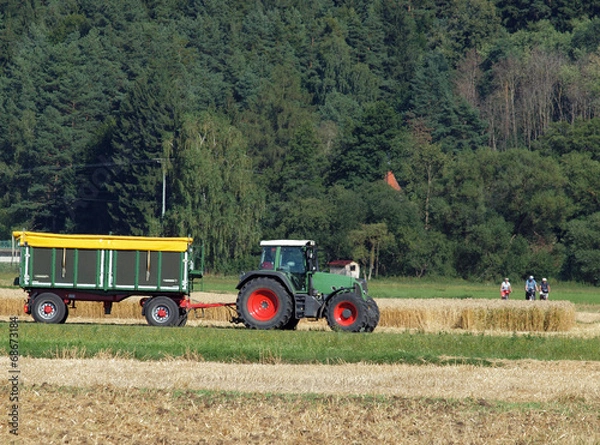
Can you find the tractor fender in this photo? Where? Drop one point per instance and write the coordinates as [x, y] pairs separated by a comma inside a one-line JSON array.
[[356, 289], [351, 290], [281, 278]]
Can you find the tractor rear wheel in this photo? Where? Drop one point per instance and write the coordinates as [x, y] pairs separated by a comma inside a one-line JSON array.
[[263, 303], [347, 312], [373, 314], [161, 311], [49, 308]]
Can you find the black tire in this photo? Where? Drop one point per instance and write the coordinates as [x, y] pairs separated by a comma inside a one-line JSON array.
[[183, 317], [64, 319], [264, 303], [161, 311], [373, 314], [347, 312], [49, 308]]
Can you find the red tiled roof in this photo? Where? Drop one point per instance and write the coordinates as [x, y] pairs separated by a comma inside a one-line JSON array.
[[340, 262], [390, 179]]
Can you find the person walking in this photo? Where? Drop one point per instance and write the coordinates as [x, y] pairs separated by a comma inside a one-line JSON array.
[[544, 289], [505, 289], [530, 288]]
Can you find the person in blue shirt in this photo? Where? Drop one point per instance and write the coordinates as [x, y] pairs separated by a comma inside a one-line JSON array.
[[531, 288]]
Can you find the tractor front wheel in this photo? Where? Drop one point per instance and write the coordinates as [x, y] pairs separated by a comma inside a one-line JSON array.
[[263, 303], [347, 312], [373, 314]]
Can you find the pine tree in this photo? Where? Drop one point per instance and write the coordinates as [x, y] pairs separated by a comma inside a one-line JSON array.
[[454, 123], [364, 154], [145, 127]]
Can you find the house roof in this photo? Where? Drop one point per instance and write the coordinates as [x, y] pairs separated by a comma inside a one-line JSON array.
[[340, 263], [390, 179]]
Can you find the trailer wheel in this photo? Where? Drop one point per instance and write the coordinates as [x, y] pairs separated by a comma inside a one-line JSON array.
[[49, 308], [64, 319], [183, 317], [347, 312], [372, 315], [161, 311], [263, 303]]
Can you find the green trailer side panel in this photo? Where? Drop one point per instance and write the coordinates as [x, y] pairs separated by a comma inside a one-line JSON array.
[[125, 269], [148, 269], [151, 271], [40, 266], [64, 267], [172, 263], [108, 270], [88, 266]]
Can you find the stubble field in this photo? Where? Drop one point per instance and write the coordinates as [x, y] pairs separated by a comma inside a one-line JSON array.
[[112, 400]]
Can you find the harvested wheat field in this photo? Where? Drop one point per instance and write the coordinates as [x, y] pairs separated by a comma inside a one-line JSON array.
[[109, 400], [112, 401]]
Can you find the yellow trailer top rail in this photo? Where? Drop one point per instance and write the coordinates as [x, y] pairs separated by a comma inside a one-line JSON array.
[[102, 242]]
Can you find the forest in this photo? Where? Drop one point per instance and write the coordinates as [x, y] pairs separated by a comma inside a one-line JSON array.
[[234, 121]]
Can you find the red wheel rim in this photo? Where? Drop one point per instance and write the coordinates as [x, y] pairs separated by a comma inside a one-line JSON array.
[[263, 304], [345, 313], [160, 313], [47, 310]]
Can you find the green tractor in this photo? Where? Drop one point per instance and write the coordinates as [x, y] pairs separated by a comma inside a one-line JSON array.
[[288, 286]]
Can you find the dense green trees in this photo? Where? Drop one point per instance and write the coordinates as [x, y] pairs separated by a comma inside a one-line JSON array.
[[236, 120]]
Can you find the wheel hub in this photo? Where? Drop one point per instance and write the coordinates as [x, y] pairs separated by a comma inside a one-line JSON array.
[[263, 304], [345, 313], [161, 313]]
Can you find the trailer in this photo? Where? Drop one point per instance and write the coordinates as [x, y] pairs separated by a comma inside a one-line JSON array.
[[58, 270]]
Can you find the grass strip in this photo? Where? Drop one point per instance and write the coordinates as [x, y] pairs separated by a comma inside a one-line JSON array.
[[246, 346]]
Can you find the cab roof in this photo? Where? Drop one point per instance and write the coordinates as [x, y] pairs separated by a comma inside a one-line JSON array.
[[287, 243]]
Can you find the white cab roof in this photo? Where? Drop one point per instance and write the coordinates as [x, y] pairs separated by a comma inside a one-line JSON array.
[[287, 242]]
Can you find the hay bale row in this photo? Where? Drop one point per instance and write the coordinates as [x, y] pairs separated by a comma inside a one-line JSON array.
[[480, 315], [429, 315]]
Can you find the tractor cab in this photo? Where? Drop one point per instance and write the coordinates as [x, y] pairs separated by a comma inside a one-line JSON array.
[[292, 257]]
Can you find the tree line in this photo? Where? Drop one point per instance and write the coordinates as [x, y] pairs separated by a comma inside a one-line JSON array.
[[234, 121]]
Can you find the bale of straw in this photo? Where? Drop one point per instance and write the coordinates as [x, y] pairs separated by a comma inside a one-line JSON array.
[[479, 315], [422, 314]]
